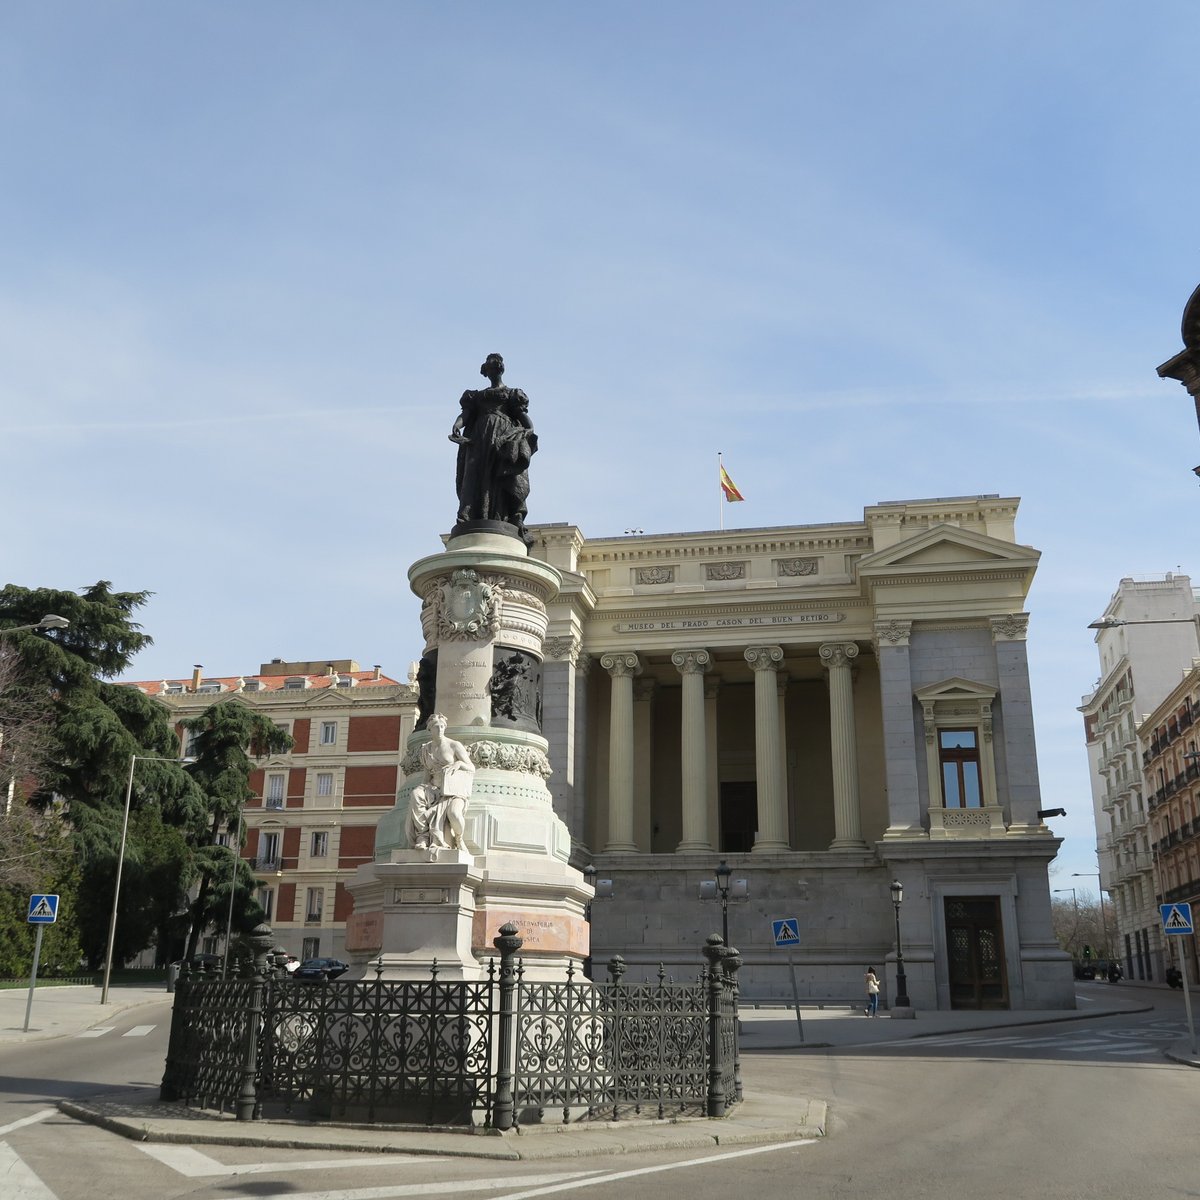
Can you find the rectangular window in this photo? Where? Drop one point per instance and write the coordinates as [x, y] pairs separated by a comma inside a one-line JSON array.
[[320, 845], [275, 786], [310, 948], [265, 897], [958, 752], [313, 904], [268, 852], [328, 733], [324, 783]]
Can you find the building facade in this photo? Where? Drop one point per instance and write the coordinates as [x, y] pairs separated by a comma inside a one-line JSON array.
[[312, 821], [825, 708], [1171, 772], [1145, 637]]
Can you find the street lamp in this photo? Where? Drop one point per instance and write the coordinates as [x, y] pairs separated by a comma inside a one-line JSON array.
[[49, 621], [1116, 622], [112, 923], [235, 849], [724, 888], [1108, 950], [902, 1000], [723, 872]]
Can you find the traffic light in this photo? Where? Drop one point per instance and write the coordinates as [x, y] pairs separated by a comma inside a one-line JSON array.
[[1087, 952]]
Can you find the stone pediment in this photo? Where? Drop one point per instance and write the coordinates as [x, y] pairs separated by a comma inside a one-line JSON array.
[[955, 688], [945, 545]]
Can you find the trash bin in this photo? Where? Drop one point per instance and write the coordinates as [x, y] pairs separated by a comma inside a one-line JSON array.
[[172, 975]]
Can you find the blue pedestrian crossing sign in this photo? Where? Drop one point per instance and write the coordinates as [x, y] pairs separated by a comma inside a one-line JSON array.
[[786, 931], [43, 910], [1176, 918]]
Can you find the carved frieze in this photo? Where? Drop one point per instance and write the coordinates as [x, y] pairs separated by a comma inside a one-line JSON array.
[[1012, 627], [654, 575], [892, 633], [505, 757], [791, 568], [561, 647], [721, 572]]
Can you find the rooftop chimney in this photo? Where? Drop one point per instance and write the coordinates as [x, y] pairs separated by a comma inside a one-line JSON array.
[[378, 671], [197, 676]]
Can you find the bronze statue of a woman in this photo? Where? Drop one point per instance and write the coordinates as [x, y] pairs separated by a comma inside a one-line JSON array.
[[495, 443]]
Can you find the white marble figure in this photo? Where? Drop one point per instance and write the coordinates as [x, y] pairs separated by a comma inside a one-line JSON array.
[[437, 806]]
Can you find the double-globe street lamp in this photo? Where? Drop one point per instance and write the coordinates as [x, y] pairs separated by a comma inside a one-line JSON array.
[[134, 759], [902, 1000]]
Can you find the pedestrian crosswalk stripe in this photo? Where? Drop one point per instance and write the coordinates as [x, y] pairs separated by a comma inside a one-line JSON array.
[[138, 1031], [96, 1032]]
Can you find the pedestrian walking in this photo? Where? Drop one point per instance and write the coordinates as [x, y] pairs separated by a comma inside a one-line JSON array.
[[872, 982]]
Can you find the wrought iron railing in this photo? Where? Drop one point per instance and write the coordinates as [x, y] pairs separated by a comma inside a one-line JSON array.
[[500, 1051]]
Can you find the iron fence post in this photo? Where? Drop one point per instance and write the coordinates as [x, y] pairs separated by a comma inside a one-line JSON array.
[[247, 1102], [509, 942], [713, 946], [732, 963]]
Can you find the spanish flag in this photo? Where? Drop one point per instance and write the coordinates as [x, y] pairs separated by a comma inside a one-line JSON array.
[[729, 487]]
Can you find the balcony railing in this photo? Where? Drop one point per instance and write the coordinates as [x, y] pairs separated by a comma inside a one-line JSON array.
[[268, 862]]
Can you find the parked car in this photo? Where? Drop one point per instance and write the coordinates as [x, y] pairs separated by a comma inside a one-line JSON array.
[[1085, 970], [318, 970]]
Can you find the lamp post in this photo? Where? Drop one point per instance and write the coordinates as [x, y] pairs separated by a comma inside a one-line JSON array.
[[1103, 913], [902, 1000], [134, 759], [723, 871], [589, 877], [235, 853]]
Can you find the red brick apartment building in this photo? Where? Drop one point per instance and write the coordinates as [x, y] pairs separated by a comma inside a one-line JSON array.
[[312, 821]]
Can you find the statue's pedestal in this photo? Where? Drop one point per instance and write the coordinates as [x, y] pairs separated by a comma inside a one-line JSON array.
[[484, 618], [412, 911]]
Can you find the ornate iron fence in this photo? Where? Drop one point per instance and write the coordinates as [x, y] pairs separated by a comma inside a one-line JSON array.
[[499, 1052]]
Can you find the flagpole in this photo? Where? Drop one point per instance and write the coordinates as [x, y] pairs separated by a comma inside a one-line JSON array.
[[721, 490]]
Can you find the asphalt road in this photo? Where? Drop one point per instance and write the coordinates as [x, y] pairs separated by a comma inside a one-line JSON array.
[[1087, 1109]]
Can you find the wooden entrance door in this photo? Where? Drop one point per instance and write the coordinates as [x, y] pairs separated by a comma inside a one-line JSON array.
[[975, 942]]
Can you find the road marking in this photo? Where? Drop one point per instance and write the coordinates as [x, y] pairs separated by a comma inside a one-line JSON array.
[[695, 1162], [451, 1187], [183, 1160], [37, 1116], [20, 1183], [96, 1032], [139, 1031]]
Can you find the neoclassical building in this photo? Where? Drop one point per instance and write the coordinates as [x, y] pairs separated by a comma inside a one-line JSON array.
[[826, 708]]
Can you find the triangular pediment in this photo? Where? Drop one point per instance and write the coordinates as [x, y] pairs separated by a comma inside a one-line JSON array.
[[947, 546], [326, 696], [955, 688]]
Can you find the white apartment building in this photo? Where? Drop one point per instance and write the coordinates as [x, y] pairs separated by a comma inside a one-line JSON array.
[[1146, 636]]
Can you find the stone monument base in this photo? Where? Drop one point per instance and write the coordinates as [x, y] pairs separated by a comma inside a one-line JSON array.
[[413, 908]]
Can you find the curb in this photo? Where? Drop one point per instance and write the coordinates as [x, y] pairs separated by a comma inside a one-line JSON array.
[[539, 1142]]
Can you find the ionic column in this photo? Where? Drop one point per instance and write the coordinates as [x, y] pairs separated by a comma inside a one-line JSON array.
[[692, 665], [836, 657], [712, 689], [768, 760], [622, 667]]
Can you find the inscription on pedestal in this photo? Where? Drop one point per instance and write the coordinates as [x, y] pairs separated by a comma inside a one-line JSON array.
[[464, 671], [421, 896]]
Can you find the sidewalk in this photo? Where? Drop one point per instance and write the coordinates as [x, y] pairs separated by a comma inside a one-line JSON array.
[[67, 1011], [138, 1114]]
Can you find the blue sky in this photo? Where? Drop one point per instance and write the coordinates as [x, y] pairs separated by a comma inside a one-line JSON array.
[[252, 253]]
